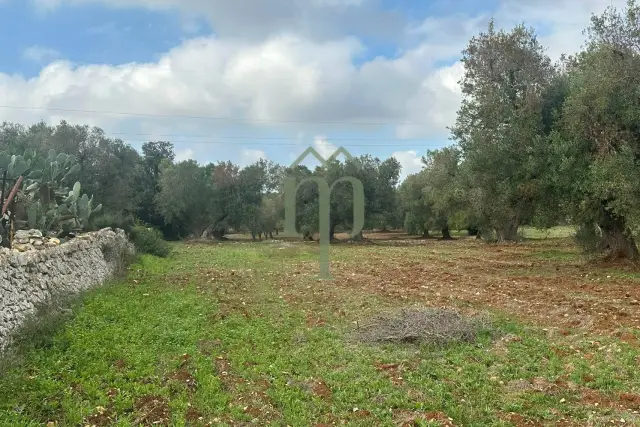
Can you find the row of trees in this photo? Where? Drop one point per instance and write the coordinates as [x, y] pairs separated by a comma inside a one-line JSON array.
[[209, 200], [542, 143], [116, 175], [535, 142], [185, 198]]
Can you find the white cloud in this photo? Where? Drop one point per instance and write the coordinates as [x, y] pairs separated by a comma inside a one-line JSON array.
[[248, 156], [287, 66], [324, 147], [562, 21], [40, 54], [410, 161], [186, 154], [433, 107], [285, 82]]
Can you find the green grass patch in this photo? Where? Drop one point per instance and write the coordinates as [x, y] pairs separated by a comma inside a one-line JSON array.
[[240, 332], [558, 232]]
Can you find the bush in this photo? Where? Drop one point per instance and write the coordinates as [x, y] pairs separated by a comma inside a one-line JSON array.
[[149, 241], [119, 255], [113, 220]]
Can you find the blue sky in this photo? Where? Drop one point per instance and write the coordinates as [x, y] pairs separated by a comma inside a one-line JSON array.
[[91, 33], [266, 77]]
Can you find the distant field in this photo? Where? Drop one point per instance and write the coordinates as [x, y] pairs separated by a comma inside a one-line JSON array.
[[551, 233], [242, 333], [525, 232]]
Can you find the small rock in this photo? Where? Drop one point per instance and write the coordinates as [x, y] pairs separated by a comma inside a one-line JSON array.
[[35, 233], [21, 235]]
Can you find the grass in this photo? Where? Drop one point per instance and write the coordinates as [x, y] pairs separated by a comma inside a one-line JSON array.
[[242, 332], [561, 231]]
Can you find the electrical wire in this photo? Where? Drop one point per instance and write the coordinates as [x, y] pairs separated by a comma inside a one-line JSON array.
[[233, 119]]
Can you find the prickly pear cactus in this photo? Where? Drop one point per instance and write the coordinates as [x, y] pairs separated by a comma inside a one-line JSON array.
[[49, 204]]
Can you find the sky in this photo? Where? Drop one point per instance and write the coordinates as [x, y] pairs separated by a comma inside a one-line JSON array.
[[248, 79]]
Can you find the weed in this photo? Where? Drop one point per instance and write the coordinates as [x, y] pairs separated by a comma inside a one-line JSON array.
[[119, 255], [150, 241], [39, 329]]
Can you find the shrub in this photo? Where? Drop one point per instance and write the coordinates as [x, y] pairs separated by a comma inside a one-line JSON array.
[[113, 220], [49, 317], [119, 255], [149, 241]]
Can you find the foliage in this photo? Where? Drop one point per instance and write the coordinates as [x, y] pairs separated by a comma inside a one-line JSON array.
[[499, 127], [47, 203], [536, 144], [107, 167], [417, 209], [114, 220], [379, 180], [39, 329], [147, 186], [149, 241], [596, 149], [443, 189], [209, 200], [185, 196]]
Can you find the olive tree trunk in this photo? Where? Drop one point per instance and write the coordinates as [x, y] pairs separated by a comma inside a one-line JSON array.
[[446, 234], [617, 237], [508, 232]]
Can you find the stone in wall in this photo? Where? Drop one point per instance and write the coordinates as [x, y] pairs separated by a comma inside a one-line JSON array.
[[48, 268], [32, 240]]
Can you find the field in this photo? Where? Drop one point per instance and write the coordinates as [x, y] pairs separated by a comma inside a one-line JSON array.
[[243, 333]]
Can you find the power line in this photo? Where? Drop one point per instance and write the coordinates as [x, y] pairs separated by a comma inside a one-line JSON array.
[[263, 138], [234, 119], [281, 145]]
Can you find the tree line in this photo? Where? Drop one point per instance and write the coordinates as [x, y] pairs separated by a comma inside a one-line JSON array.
[[182, 198], [535, 142], [543, 143]]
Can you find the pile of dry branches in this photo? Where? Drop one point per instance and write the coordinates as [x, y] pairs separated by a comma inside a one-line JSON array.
[[435, 326]]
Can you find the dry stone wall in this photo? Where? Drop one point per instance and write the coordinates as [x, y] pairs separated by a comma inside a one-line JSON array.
[[31, 276]]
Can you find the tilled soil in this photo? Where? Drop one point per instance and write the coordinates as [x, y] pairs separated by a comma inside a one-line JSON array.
[[546, 282]]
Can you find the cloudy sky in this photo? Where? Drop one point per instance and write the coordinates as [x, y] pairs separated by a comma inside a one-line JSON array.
[[245, 79]]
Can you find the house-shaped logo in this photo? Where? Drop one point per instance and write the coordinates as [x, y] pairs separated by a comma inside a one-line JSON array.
[[291, 186], [324, 162]]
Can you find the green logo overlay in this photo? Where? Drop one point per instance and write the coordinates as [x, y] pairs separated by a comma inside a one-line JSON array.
[[291, 189]]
